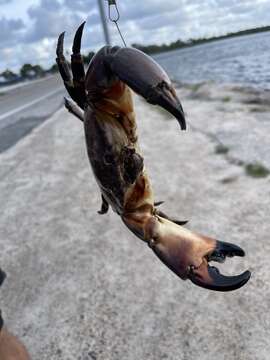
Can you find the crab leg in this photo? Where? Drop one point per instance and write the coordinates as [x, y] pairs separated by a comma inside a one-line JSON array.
[[77, 66], [74, 109], [63, 66], [74, 89], [104, 206], [178, 222]]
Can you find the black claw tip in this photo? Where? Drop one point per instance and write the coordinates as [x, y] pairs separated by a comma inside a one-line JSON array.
[[183, 124], [67, 103], [158, 203], [2, 276], [209, 277], [76, 48], [60, 45], [228, 249], [181, 222], [181, 119]]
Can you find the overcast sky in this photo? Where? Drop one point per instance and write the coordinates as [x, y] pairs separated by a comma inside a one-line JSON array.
[[29, 28]]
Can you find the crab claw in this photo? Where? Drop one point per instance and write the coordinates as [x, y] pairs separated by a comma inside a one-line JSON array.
[[188, 255], [209, 277], [143, 75]]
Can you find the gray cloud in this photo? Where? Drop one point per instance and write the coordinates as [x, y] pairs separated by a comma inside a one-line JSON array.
[[81, 5], [142, 21], [10, 31], [48, 20], [51, 17]]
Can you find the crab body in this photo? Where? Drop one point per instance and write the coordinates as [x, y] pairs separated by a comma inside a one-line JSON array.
[[103, 101], [111, 138]]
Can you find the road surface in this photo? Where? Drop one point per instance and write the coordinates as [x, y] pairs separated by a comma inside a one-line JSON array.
[[25, 107]]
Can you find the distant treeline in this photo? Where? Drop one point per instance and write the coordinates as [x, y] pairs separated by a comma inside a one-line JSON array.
[[29, 72], [154, 49]]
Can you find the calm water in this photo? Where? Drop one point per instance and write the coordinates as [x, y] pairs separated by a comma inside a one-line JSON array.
[[244, 60]]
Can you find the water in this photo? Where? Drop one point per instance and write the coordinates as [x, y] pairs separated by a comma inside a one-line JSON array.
[[243, 60]]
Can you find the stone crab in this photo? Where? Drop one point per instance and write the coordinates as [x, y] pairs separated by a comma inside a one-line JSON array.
[[102, 100]]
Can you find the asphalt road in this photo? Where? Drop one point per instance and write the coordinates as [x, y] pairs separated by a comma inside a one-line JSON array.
[[26, 107]]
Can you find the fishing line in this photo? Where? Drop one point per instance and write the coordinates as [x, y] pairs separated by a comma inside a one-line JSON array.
[[111, 4]]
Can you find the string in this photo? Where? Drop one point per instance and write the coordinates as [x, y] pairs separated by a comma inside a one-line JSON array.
[[120, 34], [115, 20]]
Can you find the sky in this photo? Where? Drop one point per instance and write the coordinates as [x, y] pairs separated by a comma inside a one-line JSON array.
[[29, 28]]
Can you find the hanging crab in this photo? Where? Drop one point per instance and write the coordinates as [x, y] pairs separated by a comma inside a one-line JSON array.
[[103, 101]]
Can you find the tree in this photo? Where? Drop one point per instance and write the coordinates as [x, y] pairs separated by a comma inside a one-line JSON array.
[[87, 58], [53, 68], [39, 71], [30, 71], [9, 75]]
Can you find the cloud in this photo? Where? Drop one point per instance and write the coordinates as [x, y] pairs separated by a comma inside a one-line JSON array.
[[142, 21], [81, 5], [49, 19], [10, 31]]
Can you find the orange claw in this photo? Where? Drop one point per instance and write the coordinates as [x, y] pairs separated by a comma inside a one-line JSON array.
[[188, 255]]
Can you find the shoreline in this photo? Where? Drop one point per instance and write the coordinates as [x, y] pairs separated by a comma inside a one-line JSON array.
[[236, 86], [160, 49]]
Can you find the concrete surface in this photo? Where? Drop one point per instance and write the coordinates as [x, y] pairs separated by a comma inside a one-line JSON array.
[[81, 286], [23, 108]]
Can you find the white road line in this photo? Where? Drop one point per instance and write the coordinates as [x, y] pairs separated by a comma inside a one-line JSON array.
[[8, 88], [25, 106]]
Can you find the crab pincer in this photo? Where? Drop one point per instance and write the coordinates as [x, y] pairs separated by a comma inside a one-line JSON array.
[[142, 74], [188, 255]]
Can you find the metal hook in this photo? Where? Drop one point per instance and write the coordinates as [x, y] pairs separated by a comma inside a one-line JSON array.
[[112, 3]]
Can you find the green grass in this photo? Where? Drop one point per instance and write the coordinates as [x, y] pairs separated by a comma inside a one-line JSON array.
[[258, 109], [221, 149], [226, 99], [195, 87], [256, 170], [229, 180]]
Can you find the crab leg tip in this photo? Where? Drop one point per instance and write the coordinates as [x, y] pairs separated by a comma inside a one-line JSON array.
[[158, 203], [60, 44], [183, 126], [77, 39], [2, 276], [66, 102], [181, 223]]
